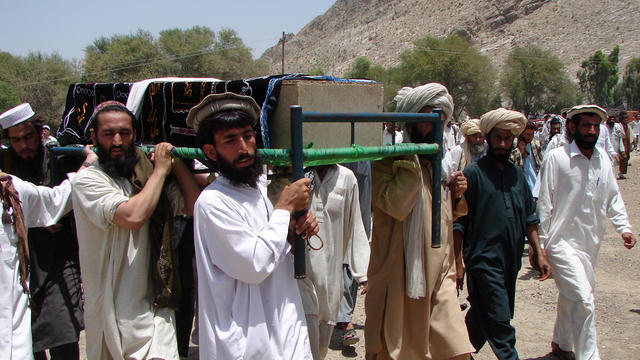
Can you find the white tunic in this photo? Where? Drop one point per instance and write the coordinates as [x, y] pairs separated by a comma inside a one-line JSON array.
[[576, 196], [449, 138], [616, 134], [120, 319], [387, 137], [41, 206], [336, 205], [249, 306]]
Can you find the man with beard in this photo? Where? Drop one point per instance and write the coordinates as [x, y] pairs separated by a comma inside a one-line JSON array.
[[122, 217], [472, 148], [528, 154], [412, 310], [578, 192], [249, 306], [616, 135], [55, 286], [554, 126], [501, 213]]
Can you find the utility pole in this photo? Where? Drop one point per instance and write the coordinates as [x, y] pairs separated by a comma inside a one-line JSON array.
[[283, 38]]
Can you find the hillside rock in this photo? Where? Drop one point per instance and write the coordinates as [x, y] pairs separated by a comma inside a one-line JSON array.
[[382, 29]]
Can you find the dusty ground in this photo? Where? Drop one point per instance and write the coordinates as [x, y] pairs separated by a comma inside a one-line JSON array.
[[617, 299]]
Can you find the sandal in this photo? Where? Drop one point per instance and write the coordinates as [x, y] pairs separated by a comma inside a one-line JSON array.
[[350, 337], [561, 354]]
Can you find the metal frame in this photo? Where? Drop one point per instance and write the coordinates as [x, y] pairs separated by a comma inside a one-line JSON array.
[[298, 117], [297, 159]]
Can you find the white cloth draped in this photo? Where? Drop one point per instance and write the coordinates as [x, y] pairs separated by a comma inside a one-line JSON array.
[[41, 206]]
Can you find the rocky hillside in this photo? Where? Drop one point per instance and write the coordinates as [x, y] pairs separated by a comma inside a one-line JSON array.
[[382, 29]]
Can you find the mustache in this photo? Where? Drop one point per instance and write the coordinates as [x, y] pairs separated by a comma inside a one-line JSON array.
[[244, 156]]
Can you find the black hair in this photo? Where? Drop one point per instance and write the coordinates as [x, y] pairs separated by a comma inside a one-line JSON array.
[[35, 121], [555, 120], [93, 120], [575, 119], [221, 121]]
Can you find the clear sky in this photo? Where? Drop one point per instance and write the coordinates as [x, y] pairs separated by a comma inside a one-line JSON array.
[[68, 26]]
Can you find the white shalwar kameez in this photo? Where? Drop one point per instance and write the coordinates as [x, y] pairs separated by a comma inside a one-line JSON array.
[[120, 319], [336, 205], [449, 138], [576, 195], [249, 306], [41, 206]]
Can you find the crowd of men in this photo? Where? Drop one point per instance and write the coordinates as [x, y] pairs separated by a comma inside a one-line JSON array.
[[116, 267]]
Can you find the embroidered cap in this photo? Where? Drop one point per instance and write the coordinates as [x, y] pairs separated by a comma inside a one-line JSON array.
[[581, 109], [215, 103], [16, 115]]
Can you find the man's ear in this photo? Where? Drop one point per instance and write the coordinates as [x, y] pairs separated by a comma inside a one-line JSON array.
[[572, 127], [93, 137], [210, 151]]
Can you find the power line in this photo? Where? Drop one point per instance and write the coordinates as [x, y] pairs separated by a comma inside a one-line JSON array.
[[135, 64]]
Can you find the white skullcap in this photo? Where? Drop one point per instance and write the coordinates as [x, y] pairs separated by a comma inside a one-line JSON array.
[[16, 115], [503, 119], [411, 100]]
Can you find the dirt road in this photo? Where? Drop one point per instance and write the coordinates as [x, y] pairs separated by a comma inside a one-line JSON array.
[[617, 298]]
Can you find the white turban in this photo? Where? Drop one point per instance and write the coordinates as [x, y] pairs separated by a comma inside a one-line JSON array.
[[470, 127], [503, 119], [411, 100]]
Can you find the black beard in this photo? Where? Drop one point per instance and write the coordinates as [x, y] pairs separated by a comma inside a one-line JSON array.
[[584, 143], [417, 138], [118, 166], [499, 158], [248, 175]]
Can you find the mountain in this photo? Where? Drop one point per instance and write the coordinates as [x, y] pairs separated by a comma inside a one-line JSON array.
[[382, 29]]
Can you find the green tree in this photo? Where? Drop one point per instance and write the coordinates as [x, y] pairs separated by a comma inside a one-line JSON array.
[[631, 84], [8, 96], [45, 80], [195, 52], [359, 68], [124, 58], [39, 79], [189, 49], [452, 62], [534, 81], [232, 58], [599, 76]]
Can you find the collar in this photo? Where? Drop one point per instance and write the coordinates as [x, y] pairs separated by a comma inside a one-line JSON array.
[[262, 182], [574, 150]]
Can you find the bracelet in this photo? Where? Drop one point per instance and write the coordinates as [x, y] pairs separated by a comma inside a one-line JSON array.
[[87, 164]]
